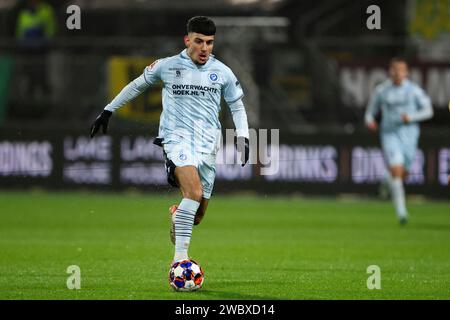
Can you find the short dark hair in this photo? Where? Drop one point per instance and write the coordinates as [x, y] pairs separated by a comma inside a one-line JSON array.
[[201, 24], [398, 59]]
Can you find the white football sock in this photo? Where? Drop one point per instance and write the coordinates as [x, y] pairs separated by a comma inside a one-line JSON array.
[[398, 197], [387, 179], [384, 189], [184, 221]]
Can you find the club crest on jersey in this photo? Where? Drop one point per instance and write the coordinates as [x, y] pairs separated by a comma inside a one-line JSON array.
[[213, 77], [182, 157], [178, 74]]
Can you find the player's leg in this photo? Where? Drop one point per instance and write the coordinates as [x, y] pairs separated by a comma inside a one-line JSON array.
[[397, 171], [201, 211], [181, 168], [398, 192], [392, 149], [409, 148], [385, 185], [188, 180], [207, 172], [198, 216], [190, 186]]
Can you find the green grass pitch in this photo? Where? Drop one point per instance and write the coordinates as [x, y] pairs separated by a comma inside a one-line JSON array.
[[250, 247]]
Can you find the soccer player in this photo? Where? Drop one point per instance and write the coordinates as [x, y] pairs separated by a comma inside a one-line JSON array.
[[403, 104], [189, 129]]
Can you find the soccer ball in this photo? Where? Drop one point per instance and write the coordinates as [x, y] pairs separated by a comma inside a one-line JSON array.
[[186, 275]]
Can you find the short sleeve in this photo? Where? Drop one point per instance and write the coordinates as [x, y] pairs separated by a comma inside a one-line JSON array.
[[232, 90], [152, 73]]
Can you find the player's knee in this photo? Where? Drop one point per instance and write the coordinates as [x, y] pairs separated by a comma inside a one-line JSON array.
[[396, 175], [397, 171]]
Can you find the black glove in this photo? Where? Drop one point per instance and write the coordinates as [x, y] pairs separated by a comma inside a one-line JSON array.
[[242, 145], [101, 121]]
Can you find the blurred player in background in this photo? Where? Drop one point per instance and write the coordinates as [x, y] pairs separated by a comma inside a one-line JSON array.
[[403, 104], [189, 129]]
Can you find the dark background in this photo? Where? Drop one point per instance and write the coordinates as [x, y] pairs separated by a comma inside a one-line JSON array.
[[307, 68]]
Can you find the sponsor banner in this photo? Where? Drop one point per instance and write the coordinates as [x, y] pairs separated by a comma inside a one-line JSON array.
[[368, 166], [87, 161], [306, 163], [26, 158], [141, 162], [320, 164]]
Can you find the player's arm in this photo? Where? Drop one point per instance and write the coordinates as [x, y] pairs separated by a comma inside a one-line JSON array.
[[424, 108], [372, 110], [239, 118], [240, 122], [233, 95], [128, 93]]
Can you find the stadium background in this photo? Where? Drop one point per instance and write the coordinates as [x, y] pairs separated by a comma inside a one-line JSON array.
[[307, 69]]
